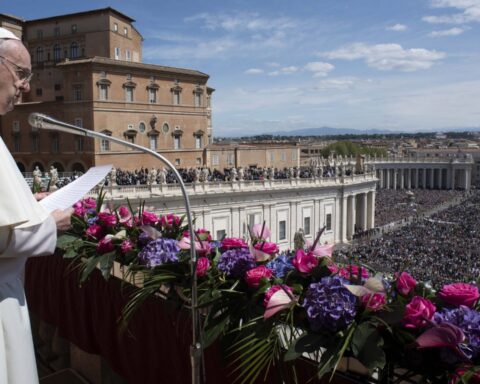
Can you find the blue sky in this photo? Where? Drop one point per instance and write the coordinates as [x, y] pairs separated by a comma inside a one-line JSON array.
[[279, 65]]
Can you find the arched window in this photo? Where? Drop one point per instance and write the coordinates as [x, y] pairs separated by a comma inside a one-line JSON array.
[[57, 53], [73, 50]]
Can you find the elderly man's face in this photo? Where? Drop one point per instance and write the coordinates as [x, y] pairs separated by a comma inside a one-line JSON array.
[[14, 64]]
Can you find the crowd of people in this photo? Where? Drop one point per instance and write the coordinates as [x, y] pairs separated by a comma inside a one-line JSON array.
[[396, 205], [439, 249]]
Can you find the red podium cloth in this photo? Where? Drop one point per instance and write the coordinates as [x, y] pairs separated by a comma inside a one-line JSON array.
[[156, 348]]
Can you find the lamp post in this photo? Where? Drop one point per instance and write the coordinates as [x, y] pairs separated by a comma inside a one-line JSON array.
[[46, 122]]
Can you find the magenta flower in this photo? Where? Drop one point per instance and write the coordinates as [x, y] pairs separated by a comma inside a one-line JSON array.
[[94, 231], [277, 298], [255, 275], [170, 220], [304, 262], [233, 242], [125, 216], [126, 246], [457, 294], [442, 335], [202, 248], [203, 265], [79, 209], [418, 313], [105, 245], [270, 248], [405, 284], [257, 231], [352, 272], [108, 219], [89, 203], [325, 250], [149, 218], [374, 301]]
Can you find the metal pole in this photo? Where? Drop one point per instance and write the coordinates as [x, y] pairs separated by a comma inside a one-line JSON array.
[[46, 122]]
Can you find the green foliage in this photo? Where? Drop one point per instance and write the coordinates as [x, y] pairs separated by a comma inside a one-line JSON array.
[[367, 346]]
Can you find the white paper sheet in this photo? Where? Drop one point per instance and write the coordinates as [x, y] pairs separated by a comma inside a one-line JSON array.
[[71, 193]]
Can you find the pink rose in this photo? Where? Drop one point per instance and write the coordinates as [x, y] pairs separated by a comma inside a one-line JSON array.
[[149, 218], [108, 219], [94, 231], [333, 268], [201, 232], [459, 372], [418, 313], [126, 246], [203, 265], [459, 294], [79, 209], [253, 276], [269, 248], [89, 203], [202, 248], [170, 220], [272, 290], [304, 262], [373, 301], [405, 284], [125, 215], [105, 245], [233, 242], [352, 271], [257, 231]]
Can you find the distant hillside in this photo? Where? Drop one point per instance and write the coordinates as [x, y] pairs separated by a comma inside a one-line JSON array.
[[327, 131]]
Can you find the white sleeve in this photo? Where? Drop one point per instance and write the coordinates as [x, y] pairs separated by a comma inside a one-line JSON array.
[[38, 240]]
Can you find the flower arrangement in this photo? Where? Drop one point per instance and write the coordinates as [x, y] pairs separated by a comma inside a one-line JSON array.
[[271, 307]]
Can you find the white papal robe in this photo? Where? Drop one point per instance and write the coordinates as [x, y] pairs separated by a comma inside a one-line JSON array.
[[26, 230]]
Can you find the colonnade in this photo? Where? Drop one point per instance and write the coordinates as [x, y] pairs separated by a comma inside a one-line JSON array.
[[424, 176], [358, 213]]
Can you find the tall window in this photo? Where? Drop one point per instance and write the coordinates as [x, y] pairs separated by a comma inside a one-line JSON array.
[[282, 230], [39, 55], [103, 88], [56, 31], [328, 222], [283, 156], [129, 94], [125, 31], [198, 99], [254, 218], [35, 142], [128, 55], [152, 95], [215, 159], [153, 142], [39, 34], [73, 50], [117, 53], [79, 144], [16, 142], [77, 93], [55, 143], [306, 225], [74, 28], [57, 53], [115, 27], [105, 144], [231, 159], [176, 142], [176, 97], [78, 122], [198, 141]]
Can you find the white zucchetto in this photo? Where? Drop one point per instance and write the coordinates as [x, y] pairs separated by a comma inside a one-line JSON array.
[[7, 35]]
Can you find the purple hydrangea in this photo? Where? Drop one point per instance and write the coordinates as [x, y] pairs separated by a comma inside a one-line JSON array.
[[159, 251], [329, 305], [281, 265], [468, 320], [235, 262]]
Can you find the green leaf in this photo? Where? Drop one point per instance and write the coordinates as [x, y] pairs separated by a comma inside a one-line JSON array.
[[64, 241], [89, 266], [306, 343], [366, 346], [70, 253], [106, 264]]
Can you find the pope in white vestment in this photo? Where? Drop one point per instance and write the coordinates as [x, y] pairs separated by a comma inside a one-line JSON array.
[[26, 229]]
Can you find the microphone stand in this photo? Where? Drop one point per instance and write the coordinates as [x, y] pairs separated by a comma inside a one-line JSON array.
[[46, 122]]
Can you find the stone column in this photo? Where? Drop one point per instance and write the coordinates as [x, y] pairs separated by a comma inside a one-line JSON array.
[[388, 178], [467, 179], [402, 178], [416, 173], [440, 178], [363, 211], [409, 180], [432, 178], [344, 218], [371, 210], [452, 182], [424, 178], [395, 178], [351, 217]]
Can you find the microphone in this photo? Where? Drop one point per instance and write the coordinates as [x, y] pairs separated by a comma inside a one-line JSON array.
[[42, 121]]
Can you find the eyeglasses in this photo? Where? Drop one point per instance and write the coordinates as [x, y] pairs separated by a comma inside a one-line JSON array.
[[22, 74]]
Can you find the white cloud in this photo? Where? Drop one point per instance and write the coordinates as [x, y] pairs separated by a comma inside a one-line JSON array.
[[254, 71], [469, 12], [387, 56], [284, 71], [447, 32], [397, 28], [338, 83], [241, 21], [319, 68]]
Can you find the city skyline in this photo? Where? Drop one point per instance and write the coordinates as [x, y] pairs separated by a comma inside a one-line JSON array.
[[409, 65]]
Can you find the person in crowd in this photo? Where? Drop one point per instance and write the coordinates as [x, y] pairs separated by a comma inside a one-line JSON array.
[[26, 228]]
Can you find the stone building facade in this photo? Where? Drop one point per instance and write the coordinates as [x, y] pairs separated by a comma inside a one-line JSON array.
[[89, 72]]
